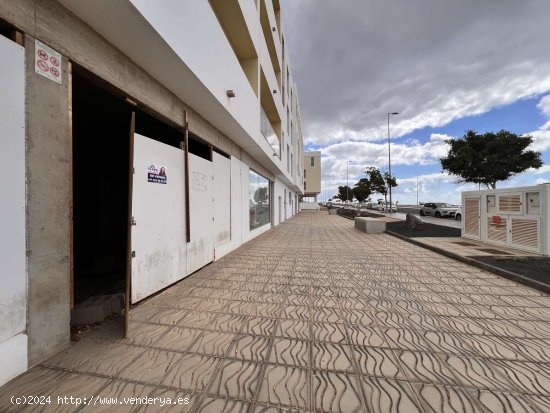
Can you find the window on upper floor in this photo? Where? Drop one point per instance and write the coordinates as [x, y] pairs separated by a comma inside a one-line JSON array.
[[312, 161]]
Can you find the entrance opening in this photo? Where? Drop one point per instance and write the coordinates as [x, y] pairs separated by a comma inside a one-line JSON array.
[[101, 131], [101, 124]]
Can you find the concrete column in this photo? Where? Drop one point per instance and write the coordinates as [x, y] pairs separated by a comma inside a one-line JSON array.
[[48, 191]]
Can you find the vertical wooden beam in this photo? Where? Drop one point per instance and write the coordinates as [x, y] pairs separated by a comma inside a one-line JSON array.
[[127, 292], [71, 184], [19, 38], [186, 160]]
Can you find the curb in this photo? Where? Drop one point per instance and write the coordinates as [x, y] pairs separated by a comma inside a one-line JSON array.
[[537, 285]]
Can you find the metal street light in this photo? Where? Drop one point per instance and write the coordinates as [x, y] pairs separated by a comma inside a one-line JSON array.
[[389, 153], [347, 179]]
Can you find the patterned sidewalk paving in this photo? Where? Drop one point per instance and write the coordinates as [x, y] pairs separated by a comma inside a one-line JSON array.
[[314, 316]]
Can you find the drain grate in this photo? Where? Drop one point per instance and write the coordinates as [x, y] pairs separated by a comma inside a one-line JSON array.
[[494, 252]]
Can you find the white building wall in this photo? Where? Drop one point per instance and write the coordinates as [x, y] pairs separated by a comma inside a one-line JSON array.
[[190, 28], [13, 274]]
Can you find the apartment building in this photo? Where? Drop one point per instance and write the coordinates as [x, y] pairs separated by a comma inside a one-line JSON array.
[[142, 140], [312, 174]]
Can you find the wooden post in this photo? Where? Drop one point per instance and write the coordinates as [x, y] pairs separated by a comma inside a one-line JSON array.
[[19, 38], [127, 292], [186, 160], [71, 185]]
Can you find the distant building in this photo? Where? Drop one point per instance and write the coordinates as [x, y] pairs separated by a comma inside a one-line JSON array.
[[312, 174]]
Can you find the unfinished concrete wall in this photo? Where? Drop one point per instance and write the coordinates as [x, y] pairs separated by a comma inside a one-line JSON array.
[[47, 144], [48, 191]]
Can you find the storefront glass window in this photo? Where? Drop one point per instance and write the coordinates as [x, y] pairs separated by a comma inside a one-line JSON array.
[[259, 200]]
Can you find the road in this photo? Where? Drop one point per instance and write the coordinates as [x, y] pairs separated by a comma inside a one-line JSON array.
[[403, 211]]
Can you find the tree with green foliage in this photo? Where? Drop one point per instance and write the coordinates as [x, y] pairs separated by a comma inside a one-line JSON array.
[[489, 158], [380, 183], [362, 190], [261, 195], [345, 193]]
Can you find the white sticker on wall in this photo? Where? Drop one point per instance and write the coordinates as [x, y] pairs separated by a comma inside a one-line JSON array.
[[47, 62]]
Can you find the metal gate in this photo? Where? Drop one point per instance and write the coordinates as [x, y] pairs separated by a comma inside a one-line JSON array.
[[222, 199], [158, 235], [200, 249], [471, 217]]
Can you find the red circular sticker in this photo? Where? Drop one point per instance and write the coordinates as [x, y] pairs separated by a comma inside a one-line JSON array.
[[54, 61], [42, 54], [54, 71], [43, 66]]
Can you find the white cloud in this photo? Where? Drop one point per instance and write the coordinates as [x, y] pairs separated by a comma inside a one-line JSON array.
[[542, 170], [354, 61], [544, 105]]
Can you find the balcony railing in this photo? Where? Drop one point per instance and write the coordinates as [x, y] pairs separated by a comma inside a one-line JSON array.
[[269, 134]]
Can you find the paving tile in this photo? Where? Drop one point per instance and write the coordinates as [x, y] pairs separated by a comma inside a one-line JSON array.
[[189, 372], [360, 317], [334, 333], [259, 326], [379, 362], [527, 377], [479, 373], [293, 329], [229, 323], [425, 367], [443, 399], [76, 355], [285, 386], [404, 339], [222, 405], [253, 348], [178, 339], [290, 352], [151, 367], [334, 357], [296, 312], [53, 383], [499, 402], [365, 336], [196, 319], [383, 395], [213, 343], [236, 379], [111, 359], [336, 392], [144, 334]]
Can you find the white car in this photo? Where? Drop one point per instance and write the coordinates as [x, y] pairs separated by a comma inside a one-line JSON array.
[[438, 210], [458, 214], [386, 206]]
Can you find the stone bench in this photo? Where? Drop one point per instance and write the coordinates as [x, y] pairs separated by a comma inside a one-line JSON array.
[[370, 225]]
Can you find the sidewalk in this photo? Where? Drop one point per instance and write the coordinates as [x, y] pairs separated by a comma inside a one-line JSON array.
[[316, 316]]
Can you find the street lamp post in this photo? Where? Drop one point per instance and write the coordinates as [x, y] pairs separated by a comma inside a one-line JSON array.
[[347, 181], [389, 153]]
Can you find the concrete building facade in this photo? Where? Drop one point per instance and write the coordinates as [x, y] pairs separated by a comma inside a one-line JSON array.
[[143, 140], [312, 174]]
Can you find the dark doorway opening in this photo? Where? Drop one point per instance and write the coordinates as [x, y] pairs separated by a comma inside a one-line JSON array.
[[100, 149], [101, 126]]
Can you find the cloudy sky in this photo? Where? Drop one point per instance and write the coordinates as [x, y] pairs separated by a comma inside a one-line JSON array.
[[445, 65]]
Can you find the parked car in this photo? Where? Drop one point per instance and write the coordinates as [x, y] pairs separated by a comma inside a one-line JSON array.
[[458, 214], [438, 210], [384, 207]]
